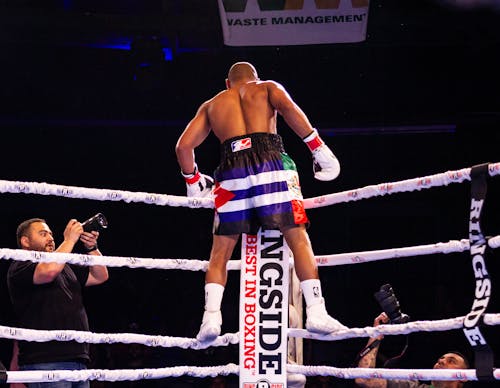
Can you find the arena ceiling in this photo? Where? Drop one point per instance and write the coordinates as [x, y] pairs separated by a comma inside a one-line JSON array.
[[196, 24], [423, 61]]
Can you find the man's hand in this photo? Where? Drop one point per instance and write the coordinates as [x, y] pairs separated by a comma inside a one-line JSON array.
[[197, 184], [73, 231], [89, 240], [381, 320]]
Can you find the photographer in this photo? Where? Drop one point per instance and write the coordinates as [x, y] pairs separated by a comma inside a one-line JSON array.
[[450, 360], [48, 296]]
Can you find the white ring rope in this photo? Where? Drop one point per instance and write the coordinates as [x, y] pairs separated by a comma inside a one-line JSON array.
[[426, 182], [110, 261], [494, 242], [141, 374], [382, 254], [379, 373], [446, 178], [102, 194], [394, 329], [232, 338], [119, 374], [201, 265], [442, 179], [108, 338]]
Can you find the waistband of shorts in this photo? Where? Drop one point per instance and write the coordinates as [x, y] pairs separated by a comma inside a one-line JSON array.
[[260, 141]]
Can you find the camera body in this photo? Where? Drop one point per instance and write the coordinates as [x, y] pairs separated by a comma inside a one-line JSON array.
[[95, 223], [390, 305]]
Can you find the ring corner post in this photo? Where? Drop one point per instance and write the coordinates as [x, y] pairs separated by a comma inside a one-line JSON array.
[[263, 327]]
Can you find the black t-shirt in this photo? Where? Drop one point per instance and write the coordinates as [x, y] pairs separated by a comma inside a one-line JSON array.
[[52, 306]]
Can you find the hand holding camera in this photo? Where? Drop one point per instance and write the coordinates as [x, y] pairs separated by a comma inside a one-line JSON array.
[[391, 314], [94, 224]]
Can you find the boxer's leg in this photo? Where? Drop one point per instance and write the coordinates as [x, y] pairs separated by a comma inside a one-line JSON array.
[[318, 320], [215, 281]]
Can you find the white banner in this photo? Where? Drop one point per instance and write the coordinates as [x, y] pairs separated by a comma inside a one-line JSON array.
[[292, 22], [265, 267]]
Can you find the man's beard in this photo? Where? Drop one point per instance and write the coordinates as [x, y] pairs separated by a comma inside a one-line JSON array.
[[49, 248]]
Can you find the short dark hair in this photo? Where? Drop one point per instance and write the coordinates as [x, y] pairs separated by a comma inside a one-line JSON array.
[[23, 228], [466, 361]]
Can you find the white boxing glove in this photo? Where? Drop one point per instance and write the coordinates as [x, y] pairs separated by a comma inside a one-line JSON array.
[[197, 184], [326, 167]]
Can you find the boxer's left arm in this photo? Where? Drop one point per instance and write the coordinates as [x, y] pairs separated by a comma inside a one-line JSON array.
[[326, 166], [293, 115]]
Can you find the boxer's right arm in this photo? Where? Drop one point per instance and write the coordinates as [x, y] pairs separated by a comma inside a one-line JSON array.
[[197, 184], [194, 134]]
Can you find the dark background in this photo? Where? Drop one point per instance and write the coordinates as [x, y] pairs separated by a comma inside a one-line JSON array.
[[418, 97]]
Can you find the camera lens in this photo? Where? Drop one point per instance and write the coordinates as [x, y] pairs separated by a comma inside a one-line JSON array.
[[95, 223], [101, 220], [390, 305]]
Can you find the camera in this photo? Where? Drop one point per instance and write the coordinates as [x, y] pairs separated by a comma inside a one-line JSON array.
[[95, 223], [390, 305]]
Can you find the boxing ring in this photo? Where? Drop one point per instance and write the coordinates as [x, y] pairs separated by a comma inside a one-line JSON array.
[[470, 324]]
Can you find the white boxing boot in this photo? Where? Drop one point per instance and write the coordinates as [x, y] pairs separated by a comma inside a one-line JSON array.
[[210, 326], [318, 320]]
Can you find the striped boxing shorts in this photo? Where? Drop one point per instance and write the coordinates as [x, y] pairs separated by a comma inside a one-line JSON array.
[[256, 184]]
